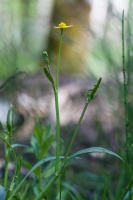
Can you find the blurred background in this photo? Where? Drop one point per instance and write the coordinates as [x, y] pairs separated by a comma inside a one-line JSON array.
[[91, 49]]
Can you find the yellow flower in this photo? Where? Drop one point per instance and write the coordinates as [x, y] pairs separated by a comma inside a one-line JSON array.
[[62, 25]]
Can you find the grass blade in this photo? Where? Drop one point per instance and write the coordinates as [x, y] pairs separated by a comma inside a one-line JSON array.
[[94, 150]]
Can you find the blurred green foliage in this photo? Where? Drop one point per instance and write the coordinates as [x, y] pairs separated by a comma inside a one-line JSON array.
[[20, 41]]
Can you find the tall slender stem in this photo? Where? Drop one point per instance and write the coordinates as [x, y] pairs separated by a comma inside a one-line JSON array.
[[7, 156], [57, 107], [129, 41], [75, 133], [90, 96], [57, 131], [125, 92], [58, 64]]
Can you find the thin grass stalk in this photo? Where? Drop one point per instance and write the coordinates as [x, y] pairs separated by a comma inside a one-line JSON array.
[[58, 63], [57, 107], [89, 98], [129, 40], [75, 133], [57, 131], [7, 157], [126, 101]]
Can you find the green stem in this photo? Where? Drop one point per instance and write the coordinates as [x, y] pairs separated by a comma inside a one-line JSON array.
[[57, 107], [129, 41], [90, 96], [58, 64], [57, 131], [125, 92], [75, 133], [7, 157]]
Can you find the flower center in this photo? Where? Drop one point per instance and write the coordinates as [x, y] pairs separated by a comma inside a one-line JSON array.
[[62, 25]]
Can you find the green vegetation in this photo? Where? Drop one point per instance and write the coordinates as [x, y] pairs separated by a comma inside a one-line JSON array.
[[53, 176], [20, 41]]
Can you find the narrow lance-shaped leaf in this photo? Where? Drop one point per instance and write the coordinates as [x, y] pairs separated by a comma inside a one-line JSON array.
[[91, 93], [48, 75], [93, 150], [19, 145], [9, 120], [50, 78]]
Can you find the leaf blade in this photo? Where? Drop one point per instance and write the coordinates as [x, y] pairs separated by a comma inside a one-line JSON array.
[[94, 150]]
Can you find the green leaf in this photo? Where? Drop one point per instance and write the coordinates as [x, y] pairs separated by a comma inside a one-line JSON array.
[[48, 171], [45, 147], [91, 93], [1, 126], [44, 139], [9, 120], [48, 75], [11, 148], [35, 145], [93, 150], [39, 132], [19, 145]]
